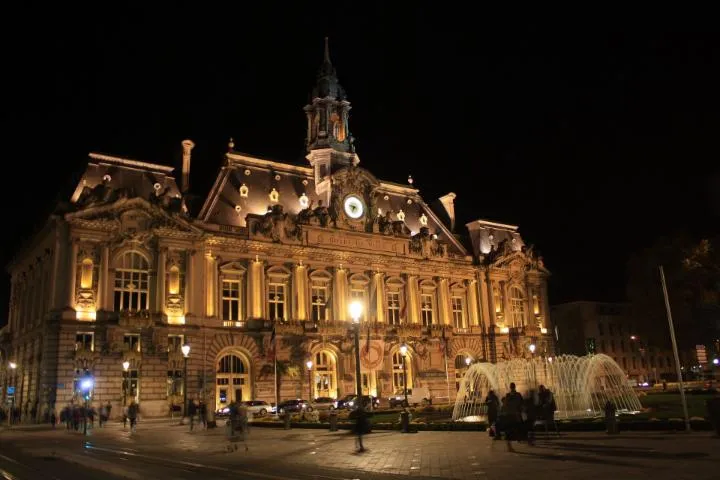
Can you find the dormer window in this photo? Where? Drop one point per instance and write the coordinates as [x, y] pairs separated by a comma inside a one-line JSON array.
[[304, 201], [423, 220], [244, 190], [274, 196], [401, 215]]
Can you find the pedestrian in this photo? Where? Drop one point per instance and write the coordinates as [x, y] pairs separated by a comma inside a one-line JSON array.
[[108, 409], [125, 416], [513, 404], [530, 409], [192, 411], [361, 427], [132, 415], [493, 404], [231, 426], [53, 417], [203, 415]]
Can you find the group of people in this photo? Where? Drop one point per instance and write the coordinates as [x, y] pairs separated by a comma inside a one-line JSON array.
[[197, 410], [514, 417]]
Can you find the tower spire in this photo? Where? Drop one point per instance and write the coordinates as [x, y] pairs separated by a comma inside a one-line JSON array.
[[327, 51]]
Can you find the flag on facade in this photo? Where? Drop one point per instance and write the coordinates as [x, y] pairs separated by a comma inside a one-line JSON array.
[[367, 343]]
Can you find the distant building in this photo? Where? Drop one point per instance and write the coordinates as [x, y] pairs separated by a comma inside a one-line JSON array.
[[586, 327], [131, 271]]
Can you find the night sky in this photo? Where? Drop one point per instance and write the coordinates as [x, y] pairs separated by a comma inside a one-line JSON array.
[[593, 143]]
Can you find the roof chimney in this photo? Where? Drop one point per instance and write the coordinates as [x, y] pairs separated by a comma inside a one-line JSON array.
[[448, 203], [187, 146]]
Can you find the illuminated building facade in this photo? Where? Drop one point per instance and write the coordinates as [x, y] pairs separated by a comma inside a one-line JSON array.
[[129, 273]]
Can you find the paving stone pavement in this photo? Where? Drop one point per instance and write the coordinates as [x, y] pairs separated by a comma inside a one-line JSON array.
[[452, 455]]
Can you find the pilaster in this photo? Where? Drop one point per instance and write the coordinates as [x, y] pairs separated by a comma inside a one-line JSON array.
[[473, 316], [340, 294], [300, 284], [73, 274], [413, 299]]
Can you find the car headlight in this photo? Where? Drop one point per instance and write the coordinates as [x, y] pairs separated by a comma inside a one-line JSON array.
[[350, 403]]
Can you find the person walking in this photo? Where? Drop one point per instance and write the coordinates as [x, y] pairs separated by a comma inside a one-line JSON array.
[[231, 426], [203, 414], [493, 406], [192, 411], [132, 415], [513, 404], [361, 426]]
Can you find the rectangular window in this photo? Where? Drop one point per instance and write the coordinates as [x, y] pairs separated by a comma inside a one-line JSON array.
[[393, 307], [231, 303], [131, 384], [358, 292], [276, 301], [458, 312], [85, 341], [174, 382], [319, 299], [175, 342], [427, 308], [132, 342]]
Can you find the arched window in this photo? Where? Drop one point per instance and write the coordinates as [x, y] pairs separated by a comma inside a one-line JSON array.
[[86, 273], [174, 280], [232, 380], [397, 372], [517, 307], [324, 375], [131, 282]]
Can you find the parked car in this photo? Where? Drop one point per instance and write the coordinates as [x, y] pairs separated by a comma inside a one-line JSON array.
[[415, 396], [258, 408], [292, 406], [323, 403], [349, 402]]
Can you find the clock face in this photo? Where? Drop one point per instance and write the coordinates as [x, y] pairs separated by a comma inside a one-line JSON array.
[[354, 207]]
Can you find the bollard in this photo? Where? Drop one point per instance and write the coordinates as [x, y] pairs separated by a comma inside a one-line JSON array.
[[405, 421], [287, 419], [333, 419]]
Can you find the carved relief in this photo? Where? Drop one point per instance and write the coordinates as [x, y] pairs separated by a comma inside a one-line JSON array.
[[277, 225], [175, 268], [426, 245]]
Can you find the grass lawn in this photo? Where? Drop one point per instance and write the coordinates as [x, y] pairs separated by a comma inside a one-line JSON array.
[[669, 405]]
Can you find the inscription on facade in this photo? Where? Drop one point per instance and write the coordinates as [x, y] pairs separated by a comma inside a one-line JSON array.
[[357, 242]]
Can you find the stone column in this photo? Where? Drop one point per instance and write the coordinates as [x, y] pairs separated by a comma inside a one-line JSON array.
[[472, 299], [444, 302], [484, 299], [380, 296], [104, 302], [160, 297], [189, 283], [256, 288], [73, 274], [300, 284], [55, 273], [413, 299], [210, 278], [340, 295]]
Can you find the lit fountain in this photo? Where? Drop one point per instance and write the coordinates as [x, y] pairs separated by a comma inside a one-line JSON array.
[[580, 385]]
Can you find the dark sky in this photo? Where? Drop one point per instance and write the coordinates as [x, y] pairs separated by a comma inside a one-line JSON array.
[[595, 143]]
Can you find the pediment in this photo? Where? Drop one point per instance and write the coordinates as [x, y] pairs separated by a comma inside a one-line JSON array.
[[517, 261], [130, 216]]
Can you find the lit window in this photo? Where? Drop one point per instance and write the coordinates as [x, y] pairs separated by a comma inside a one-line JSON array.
[[231, 302], [517, 307], [427, 308], [175, 342], [458, 311], [397, 372], [132, 342], [359, 292], [131, 282], [393, 307], [174, 280], [319, 302], [276, 301], [85, 341], [174, 383], [131, 385]]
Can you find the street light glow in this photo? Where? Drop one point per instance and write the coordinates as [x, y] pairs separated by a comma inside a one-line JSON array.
[[532, 348], [13, 365], [126, 365], [633, 337], [468, 361], [309, 364], [716, 361], [403, 349], [185, 350], [356, 309], [86, 384]]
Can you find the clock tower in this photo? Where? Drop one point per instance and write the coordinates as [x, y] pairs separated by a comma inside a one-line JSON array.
[[329, 142]]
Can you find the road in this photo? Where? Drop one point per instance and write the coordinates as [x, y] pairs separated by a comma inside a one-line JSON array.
[[160, 450]]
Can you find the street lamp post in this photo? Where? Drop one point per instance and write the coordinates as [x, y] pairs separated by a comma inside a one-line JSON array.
[[126, 378], [309, 365], [356, 309], [532, 348], [186, 353], [86, 384], [13, 367], [403, 352]]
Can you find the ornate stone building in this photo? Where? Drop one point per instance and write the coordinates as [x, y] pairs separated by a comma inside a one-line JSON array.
[[129, 273]]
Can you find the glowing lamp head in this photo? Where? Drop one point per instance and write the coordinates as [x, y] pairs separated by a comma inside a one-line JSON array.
[[716, 361], [86, 384], [403, 349], [309, 364], [356, 309], [532, 348], [13, 365], [468, 361], [185, 350], [633, 337], [126, 365]]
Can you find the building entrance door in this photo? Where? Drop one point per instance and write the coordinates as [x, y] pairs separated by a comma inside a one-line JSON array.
[[231, 381]]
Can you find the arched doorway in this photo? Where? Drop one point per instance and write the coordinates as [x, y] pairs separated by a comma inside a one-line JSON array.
[[325, 375], [232, 380]]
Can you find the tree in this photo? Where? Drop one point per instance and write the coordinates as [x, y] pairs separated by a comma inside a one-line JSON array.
[[692, 274]]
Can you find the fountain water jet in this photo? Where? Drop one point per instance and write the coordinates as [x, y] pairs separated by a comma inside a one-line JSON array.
[[580, 385]]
